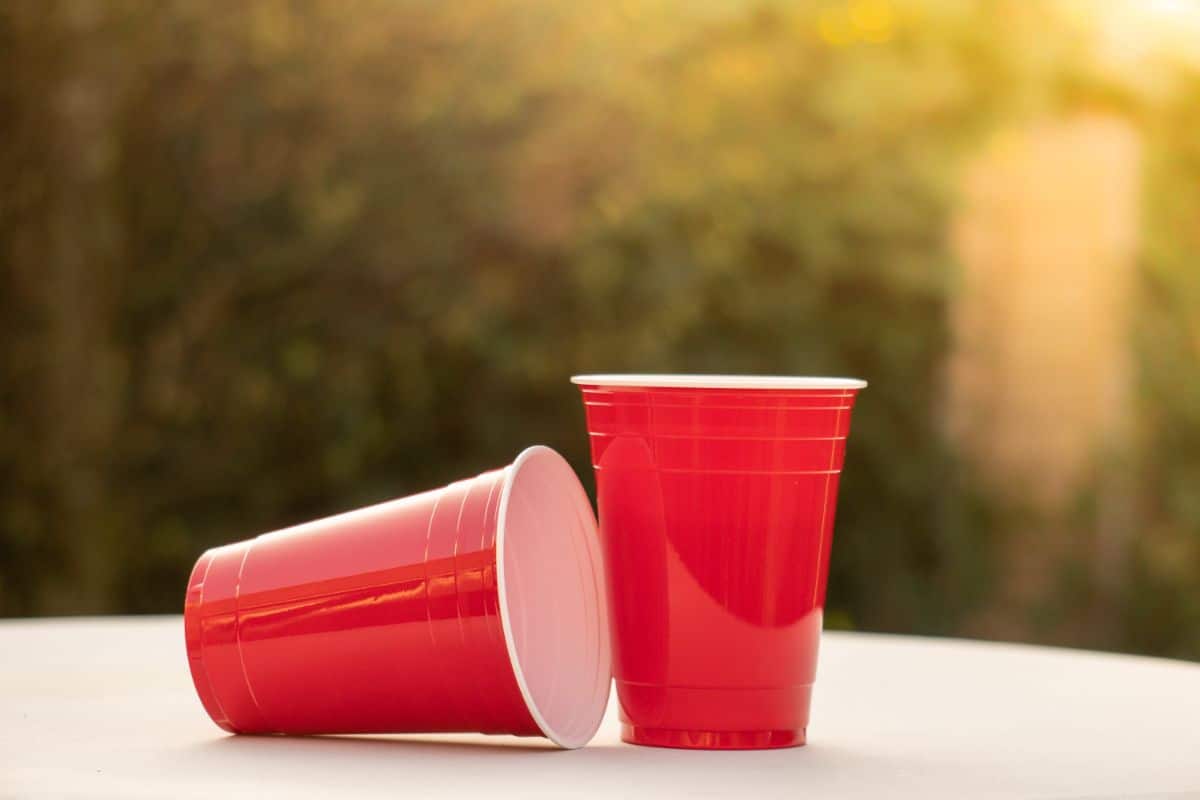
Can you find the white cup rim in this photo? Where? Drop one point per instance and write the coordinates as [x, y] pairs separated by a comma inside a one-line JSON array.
[[568, 705], [719, 381]]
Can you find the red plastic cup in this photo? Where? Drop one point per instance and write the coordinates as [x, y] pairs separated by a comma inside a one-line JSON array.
[[716, 497], [475, 607]]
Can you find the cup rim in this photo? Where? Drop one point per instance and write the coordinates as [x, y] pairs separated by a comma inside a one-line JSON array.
[[666, 381], [585, 528]]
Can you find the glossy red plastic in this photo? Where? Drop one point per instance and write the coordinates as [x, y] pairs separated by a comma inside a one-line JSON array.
[[716, 498], [475, 607]]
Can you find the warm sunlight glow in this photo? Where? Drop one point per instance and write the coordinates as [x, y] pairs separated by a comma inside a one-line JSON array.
[[869, 21], [1135, 33]]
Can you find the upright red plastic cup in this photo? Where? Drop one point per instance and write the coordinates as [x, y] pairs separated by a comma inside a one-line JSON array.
[[475, 607], [716, 497]]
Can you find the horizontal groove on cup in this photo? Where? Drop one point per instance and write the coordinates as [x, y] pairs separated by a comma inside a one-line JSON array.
[[701, 454], [708, 423], [674, 686], [743, 707], [767, 403], [447, 648], [682, 397], [712, 740], [694, 411], [726, 403], [724, 438], [193, 637], [474, 536], [219, 645], [707, 471]]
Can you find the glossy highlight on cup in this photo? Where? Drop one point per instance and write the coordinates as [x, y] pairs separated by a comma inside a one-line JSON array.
[[717, 497], [477, 607]]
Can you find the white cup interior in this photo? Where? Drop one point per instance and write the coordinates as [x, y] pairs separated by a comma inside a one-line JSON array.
[[552, 596]]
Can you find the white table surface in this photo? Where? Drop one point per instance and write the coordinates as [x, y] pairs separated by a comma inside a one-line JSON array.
[[105, 708]]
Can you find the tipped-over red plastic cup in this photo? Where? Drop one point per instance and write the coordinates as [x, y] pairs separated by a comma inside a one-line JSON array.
[[716, 497], [475, 607]]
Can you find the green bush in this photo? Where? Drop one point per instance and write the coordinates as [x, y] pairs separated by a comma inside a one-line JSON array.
[[278, 260]]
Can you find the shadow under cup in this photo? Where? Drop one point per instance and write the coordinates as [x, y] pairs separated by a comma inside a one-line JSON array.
[[716, 497]]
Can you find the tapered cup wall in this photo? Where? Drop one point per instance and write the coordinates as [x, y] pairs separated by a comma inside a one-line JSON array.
[[475, 607], [717, 499]]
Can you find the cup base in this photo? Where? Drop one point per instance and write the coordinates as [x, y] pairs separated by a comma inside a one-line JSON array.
[[712, 740]]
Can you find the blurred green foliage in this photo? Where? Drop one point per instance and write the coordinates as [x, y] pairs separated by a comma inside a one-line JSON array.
[[1164, 596], [268, 261]]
